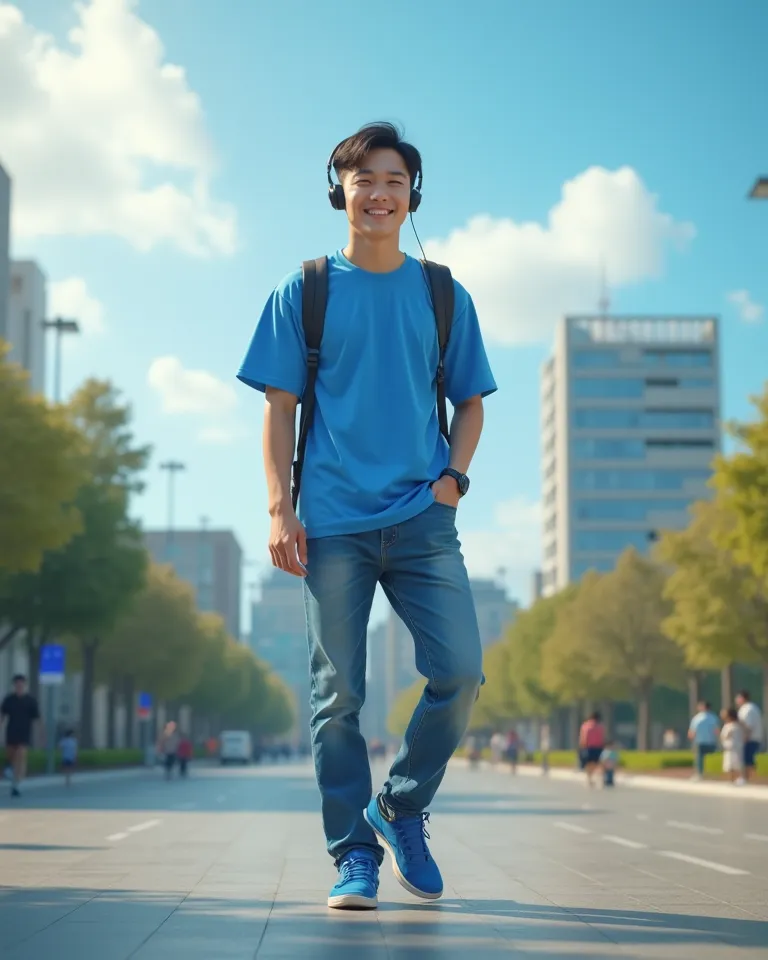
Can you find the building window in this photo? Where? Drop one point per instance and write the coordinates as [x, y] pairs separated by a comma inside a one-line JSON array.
[[595, 359], [678, 358], [599, 448], [625, 509], [588, 387], [618, 419], [610, 540], [599, 564], [675, 444], [636, 479]]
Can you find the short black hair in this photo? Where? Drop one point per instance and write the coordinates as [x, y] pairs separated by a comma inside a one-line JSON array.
[[350, 153], [744, 694], [19, 678], [596, 716]]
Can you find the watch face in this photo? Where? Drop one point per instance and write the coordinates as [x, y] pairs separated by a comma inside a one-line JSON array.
[[463, 484]]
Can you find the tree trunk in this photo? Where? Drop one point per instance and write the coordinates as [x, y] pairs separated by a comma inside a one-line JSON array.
[[573, 727], [129, 696], [694, 691], [32, 642], [607, 711], [726, 687], [111, 718], [88, 649], [643, 717]]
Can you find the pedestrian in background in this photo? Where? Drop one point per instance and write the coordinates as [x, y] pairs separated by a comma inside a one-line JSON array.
[[185, 754], [733, 737], [20, 712], [545, 742], [168, 746], [512, 750], [591, 744], [609, 763], [497, 744], [703, 733], [68, 748], [751, 719]]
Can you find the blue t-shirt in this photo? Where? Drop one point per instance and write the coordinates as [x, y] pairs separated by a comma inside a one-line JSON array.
[[704, 727], [375, 445]]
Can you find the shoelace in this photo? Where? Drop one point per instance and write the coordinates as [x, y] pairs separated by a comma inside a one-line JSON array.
[[357, 868], [413, 836]]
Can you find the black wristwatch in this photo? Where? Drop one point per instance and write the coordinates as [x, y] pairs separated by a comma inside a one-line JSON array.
[[462, 480]]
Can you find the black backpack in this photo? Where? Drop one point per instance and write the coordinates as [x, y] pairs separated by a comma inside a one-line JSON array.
[[313, 302]]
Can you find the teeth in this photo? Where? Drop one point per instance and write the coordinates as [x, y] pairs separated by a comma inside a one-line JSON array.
[[378, 213]]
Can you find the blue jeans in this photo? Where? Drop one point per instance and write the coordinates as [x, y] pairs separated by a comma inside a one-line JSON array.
[[702, 750], [421, 569]]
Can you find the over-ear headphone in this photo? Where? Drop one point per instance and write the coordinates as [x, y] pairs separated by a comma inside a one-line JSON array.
[[339, 202]]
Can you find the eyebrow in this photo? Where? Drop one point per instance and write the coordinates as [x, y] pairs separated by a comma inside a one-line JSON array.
[[390, 173]]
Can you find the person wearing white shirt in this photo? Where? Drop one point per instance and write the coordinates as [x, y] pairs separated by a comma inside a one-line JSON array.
[[752, 720]]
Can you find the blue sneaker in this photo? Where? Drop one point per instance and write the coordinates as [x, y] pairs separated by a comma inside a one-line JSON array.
[[406, 840], [358, 882]]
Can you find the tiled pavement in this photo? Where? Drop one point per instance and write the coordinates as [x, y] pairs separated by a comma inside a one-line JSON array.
[[230, 865]]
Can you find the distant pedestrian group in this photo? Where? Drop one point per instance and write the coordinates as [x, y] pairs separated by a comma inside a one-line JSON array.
[[596, 752], [739, 731]]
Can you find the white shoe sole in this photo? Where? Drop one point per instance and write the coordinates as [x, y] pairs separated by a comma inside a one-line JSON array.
[[422, 894], [352, 901]]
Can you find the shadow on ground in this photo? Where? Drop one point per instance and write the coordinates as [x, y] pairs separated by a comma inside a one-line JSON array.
[[210, 926]]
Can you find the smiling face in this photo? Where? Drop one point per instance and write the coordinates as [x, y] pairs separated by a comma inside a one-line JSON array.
[[378, 195]]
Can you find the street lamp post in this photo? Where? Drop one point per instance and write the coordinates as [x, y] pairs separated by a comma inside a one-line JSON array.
[[61, 326], [760, 189], [173, 467]]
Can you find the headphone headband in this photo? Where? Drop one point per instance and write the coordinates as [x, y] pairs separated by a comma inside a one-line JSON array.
[[336, 191]]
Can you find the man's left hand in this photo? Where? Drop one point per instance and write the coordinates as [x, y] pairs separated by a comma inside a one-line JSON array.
[[446, 490]]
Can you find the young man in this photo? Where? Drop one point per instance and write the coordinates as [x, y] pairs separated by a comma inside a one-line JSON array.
[[20, 711], [704, 734], [379, 494], [751, 719]]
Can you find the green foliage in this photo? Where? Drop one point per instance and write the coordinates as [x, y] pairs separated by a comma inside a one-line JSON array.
[[402, 709], [41, 469], [741, 480]]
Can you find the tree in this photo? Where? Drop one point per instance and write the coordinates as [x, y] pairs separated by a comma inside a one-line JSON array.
[[82, 588], [41, 468], [741, 480], [719, 606], [609, 639]]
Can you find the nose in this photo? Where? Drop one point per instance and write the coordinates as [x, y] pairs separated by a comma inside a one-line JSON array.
[[379, 192]]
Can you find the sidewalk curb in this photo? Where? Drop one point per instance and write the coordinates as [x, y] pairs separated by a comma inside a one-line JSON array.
[[84, 776], [638, 781]]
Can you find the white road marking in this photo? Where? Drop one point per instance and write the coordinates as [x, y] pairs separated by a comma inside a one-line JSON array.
[[756, 836], [147, 825], [709, 864], [623, 842], [117, 836], [693, 827], [573, 827]]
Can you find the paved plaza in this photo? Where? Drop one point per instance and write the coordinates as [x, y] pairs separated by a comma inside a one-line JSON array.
[[230, 865]]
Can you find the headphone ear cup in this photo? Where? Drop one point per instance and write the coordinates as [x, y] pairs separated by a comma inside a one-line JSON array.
[[336, 196], [415, 201]]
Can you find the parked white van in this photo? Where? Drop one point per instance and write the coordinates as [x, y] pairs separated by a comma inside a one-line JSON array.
[[235, 746]]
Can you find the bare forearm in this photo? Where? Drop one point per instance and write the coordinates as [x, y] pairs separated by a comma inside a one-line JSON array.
[[278, 446], [466, 428]]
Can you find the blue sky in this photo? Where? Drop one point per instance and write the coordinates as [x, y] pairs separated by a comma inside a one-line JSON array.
[[164, 202]]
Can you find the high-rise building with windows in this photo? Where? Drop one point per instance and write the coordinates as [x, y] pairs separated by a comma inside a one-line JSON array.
[[211, 561], [630, 423], [25, 318]]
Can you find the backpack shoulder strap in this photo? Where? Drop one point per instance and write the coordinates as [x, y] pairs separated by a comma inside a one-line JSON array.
[[314, 298], [443, 301]]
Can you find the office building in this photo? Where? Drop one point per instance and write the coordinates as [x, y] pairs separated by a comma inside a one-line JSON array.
[[211, 561], [25, 320], [5, 250], [630, 423], [279, 638]]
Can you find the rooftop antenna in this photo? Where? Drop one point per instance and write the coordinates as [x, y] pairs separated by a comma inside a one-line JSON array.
[[604, 303]]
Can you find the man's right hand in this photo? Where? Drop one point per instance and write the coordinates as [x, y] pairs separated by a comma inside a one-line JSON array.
[[288, 543]]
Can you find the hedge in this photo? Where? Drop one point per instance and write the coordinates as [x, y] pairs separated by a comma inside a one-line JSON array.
[[89, 759]]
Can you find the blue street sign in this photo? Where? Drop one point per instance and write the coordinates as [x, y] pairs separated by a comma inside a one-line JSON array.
[[144, 707], [52, 663]]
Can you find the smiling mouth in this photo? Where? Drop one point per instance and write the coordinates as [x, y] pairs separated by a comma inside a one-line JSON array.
[[378, 212]]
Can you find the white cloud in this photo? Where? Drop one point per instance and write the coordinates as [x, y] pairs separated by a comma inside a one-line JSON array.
[[749, 310], [103, 136], [513, 545], [524, 276], [190, 391], [70, 299]]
